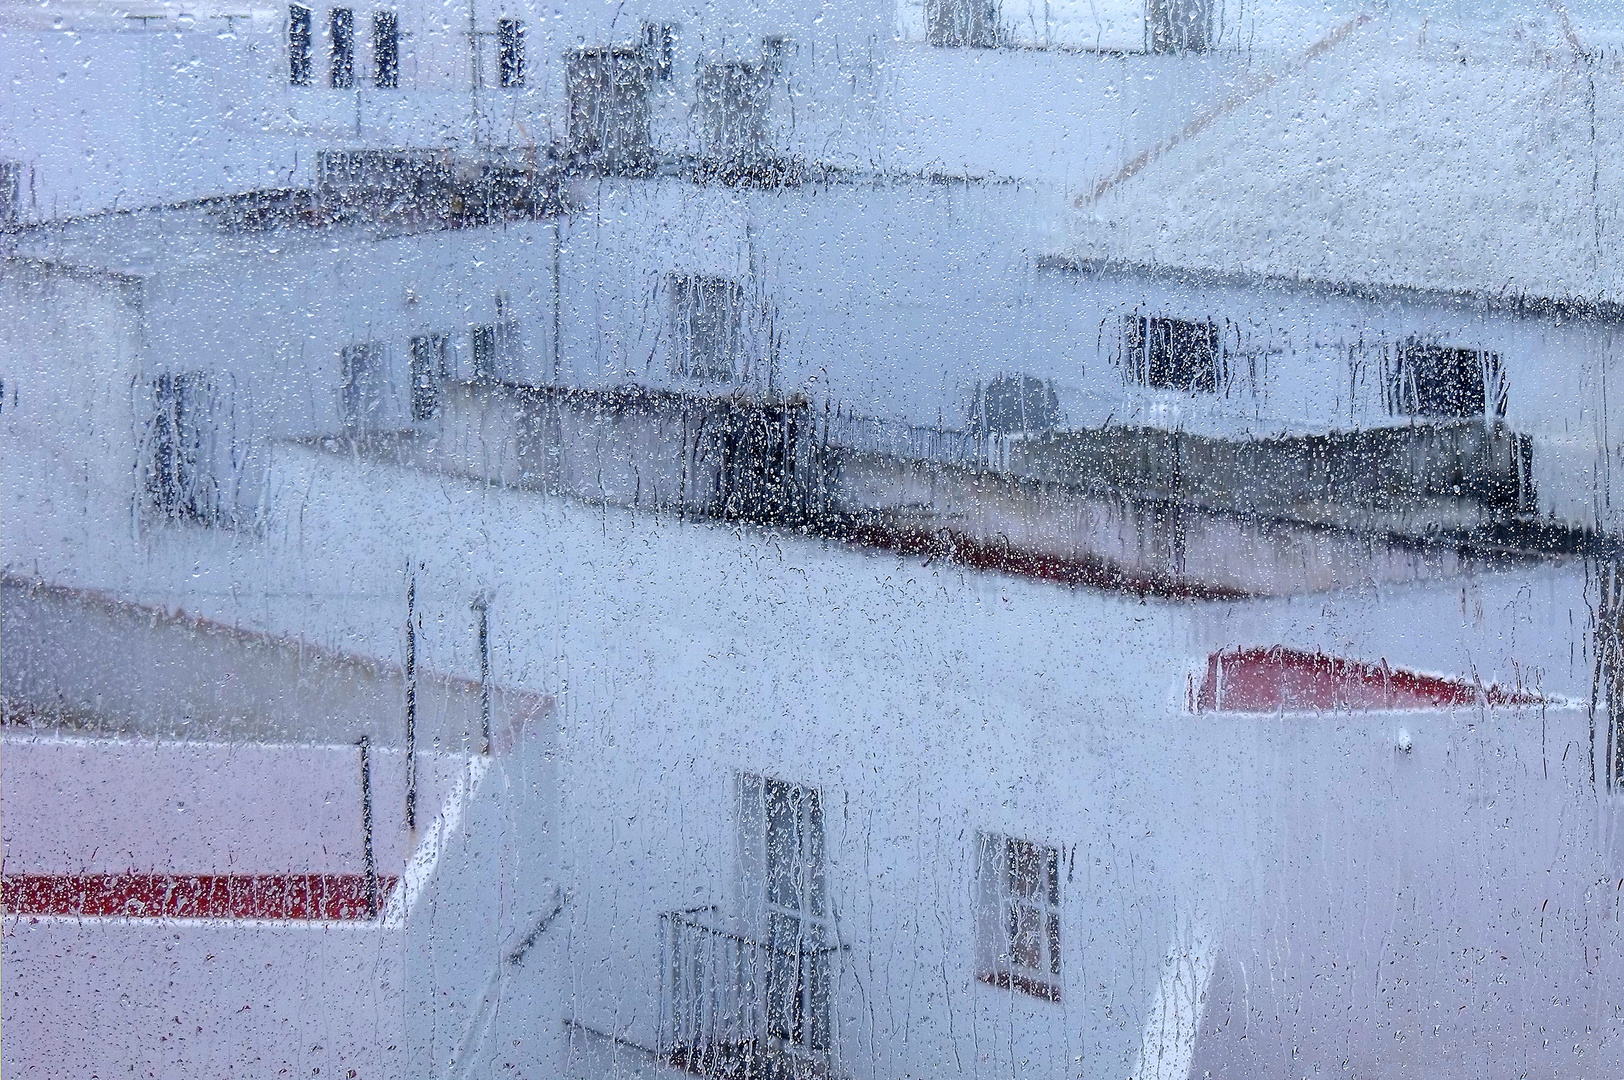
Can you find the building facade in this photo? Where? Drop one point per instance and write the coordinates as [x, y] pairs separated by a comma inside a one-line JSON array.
[[1010, 605]]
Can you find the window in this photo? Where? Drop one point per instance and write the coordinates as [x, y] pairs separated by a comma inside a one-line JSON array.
[[362, 394], [609, 110], [298, 45], [733, 100], [1172, 354], [1432, 380], [1015, 403], [341, 48], [659, 48], [958, 23], [11, 191], [782, 856], [1018, 924], [385, 50], [1180, 25], [707, 315], [496, 351], [510, 52], [180, 481], [428, 375]]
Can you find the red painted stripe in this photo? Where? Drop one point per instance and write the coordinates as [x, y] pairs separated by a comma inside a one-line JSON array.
[[1278, 679], [192, 896], [1002, 557]]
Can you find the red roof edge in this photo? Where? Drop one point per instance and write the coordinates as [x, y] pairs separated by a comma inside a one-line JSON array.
[[337, 897], [1277, 679]]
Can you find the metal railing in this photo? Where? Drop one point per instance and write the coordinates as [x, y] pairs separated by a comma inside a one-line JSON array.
[[744, 1006]]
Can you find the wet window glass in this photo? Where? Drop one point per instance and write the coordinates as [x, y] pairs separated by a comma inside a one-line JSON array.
[[811, 540]]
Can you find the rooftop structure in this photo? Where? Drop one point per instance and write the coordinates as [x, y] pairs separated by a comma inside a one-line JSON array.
[[187, 892], [915, 582]]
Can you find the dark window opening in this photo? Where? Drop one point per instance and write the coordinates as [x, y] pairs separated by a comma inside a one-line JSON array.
[[510, 53], [496, 351], [609, 108], [428, 375], [707, 317], [962, 23], [362, 394], [180, 483], [733, 99], [385, 50], [298, 45], [1173, 354], [11, 191], [1181, 25], [341, 48], [782, 839], [1437, 381], [1014, 403], [659, 48], [1019, 917]]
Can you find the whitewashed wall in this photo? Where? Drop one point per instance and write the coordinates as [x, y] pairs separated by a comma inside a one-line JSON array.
[[895, 300], [410, 993], [926, 703], [113, 112], [889, 300]]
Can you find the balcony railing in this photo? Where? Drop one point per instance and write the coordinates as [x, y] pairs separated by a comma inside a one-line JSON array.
[[744, 1006]]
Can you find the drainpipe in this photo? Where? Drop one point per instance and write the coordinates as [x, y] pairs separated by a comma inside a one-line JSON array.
[[482, 608], [411, 701]]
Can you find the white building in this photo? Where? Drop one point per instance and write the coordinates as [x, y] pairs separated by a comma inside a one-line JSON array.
[[931, 708], [119, 106], [218, 862], [1012, 606]]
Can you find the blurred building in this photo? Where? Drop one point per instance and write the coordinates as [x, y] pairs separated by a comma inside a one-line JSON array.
[[1060, 544]]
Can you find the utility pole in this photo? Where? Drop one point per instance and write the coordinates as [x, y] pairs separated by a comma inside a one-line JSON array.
[[411, 700], [474, 73], [482, 609]]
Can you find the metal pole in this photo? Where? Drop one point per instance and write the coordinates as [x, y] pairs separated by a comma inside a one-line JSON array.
[[558, 293], [473, 71], [411, 700], [369, 861], [482, 606]]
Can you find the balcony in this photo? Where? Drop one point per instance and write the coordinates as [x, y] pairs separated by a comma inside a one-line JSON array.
[[742, 1005]]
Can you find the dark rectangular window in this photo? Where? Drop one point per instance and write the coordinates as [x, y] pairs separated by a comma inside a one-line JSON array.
[[362, 393], [11, 191], [510, 52], [496, 351], [659, 47], [1437, 381], [1181, 25], [180, 475], [784, 858], [733, 99], [1172, 354], [707, 323], [609, 108], [341, 48], [428, 375], [962, 23], [298, 45], [385, 50], [1018, 931]]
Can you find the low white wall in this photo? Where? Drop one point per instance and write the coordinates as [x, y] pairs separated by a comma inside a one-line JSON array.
[[111, 806], [83, 658], [415, 992], [158, 997]]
